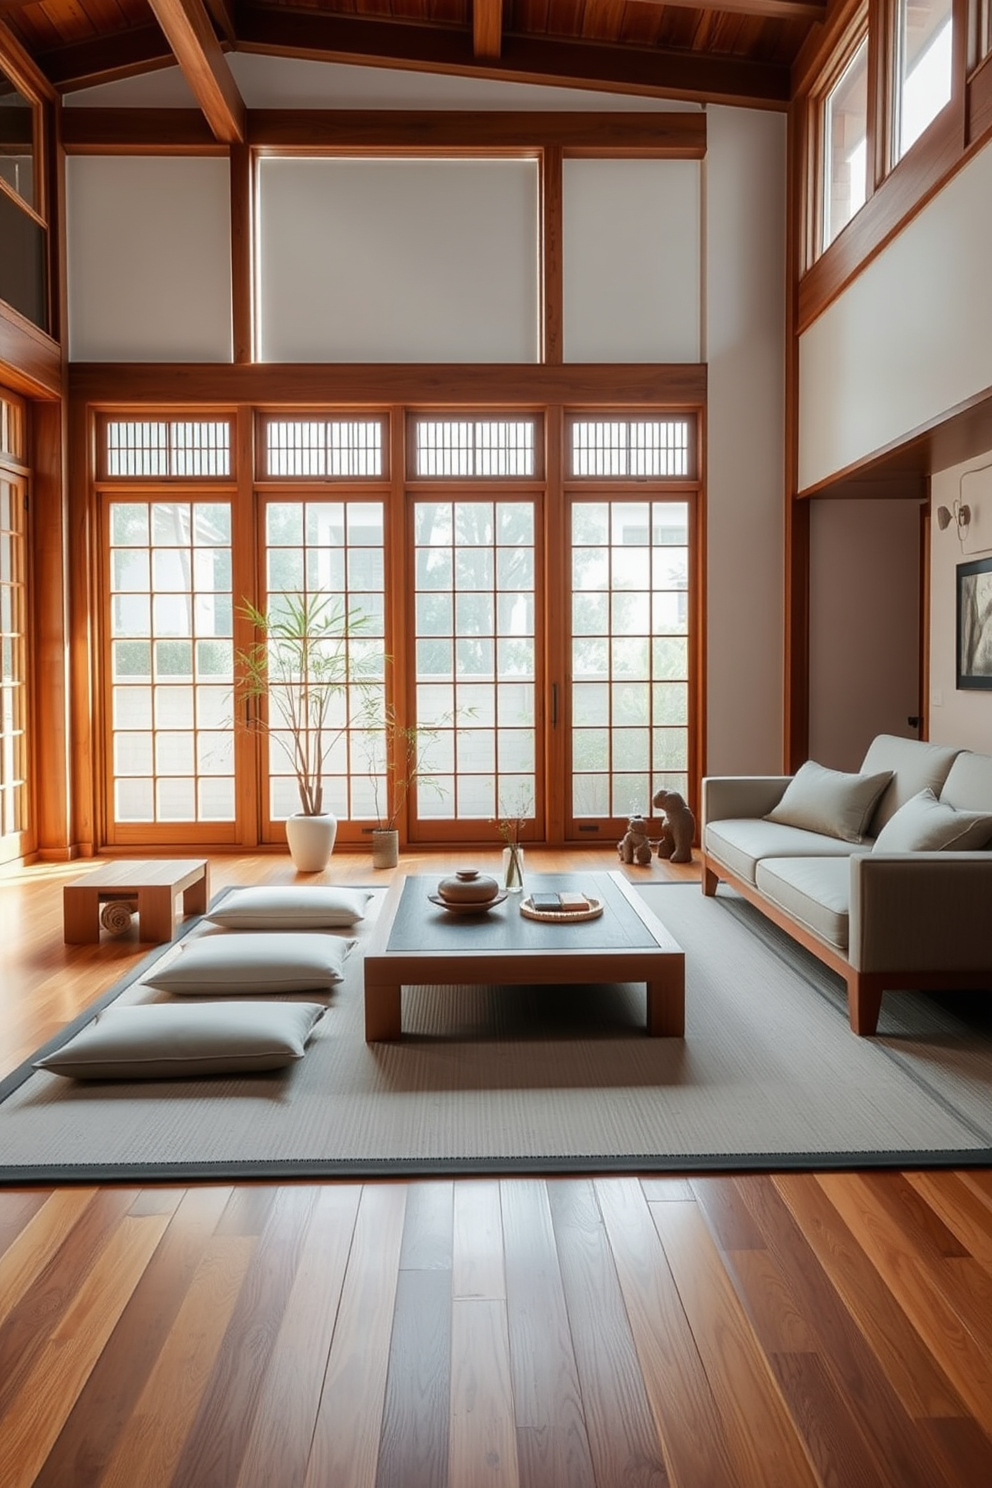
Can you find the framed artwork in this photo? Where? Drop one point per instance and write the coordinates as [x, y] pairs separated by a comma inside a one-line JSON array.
[[975, 624]]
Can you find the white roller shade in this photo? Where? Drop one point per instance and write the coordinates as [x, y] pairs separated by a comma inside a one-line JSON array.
[[398, 260]]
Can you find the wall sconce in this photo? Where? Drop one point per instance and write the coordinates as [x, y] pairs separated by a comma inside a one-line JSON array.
[[959, 513]]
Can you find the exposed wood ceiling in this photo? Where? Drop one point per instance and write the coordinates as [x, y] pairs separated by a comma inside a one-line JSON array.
[[741, 52]]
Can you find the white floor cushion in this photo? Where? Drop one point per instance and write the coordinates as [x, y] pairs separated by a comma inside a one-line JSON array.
[[236, 964]]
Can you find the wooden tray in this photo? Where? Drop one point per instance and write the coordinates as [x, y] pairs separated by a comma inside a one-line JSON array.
[[561, 916]]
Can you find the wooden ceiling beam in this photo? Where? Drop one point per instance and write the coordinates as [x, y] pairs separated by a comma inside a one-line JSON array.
[[487, 27], [554, 62], [22, 69], [104, 59], [665, 134], [778, 10], [190, 33]]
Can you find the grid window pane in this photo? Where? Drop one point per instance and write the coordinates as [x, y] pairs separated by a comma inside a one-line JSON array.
[[331, 553], [13, 661], [475, 651], [629, 699], [171, 619]]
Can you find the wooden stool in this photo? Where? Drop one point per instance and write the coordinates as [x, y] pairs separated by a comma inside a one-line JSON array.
[[153, 883]]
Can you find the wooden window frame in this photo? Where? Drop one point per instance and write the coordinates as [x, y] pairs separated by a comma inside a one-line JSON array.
[[856, 31]]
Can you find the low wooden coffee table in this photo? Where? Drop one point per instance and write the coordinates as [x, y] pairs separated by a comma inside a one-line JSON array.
[[152, 883], [416, 944]]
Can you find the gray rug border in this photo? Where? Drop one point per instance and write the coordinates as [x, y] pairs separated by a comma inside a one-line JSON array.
[[362, 1169]]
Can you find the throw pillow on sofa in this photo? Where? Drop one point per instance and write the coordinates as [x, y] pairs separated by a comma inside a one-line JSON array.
[[924, 824], [829, 801]]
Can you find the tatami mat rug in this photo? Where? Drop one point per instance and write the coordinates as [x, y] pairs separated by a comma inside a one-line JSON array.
[[768, 1076]]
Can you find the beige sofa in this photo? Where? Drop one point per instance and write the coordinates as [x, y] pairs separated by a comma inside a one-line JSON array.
[[886, 920]]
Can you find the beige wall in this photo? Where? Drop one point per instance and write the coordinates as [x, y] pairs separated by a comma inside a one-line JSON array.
[[909, 340], [864, 625], [148, 243], [964, 717], [744, 311]]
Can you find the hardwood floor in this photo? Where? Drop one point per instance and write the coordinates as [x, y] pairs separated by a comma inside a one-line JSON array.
[[751, 1331]]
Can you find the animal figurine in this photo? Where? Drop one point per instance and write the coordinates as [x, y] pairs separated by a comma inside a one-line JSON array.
[[634, 846], [679, 827]]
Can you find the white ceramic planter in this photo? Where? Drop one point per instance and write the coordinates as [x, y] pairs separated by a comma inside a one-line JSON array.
[[311, 840]]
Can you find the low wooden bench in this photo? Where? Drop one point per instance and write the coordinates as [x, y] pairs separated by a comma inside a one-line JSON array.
[[153, 884]]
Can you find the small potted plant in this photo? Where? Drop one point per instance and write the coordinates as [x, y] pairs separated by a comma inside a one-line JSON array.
[[301, 667], [398, 759]]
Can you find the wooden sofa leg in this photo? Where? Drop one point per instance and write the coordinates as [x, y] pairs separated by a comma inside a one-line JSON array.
[[711, 880], [864, 1000]]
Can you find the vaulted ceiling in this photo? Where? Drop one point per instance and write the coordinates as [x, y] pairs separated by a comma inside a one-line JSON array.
[[742, 52]]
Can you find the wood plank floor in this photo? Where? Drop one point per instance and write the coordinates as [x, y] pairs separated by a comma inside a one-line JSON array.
[[700, 1331]]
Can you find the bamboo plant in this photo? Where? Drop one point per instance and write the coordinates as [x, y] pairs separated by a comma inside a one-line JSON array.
[[301, 664]]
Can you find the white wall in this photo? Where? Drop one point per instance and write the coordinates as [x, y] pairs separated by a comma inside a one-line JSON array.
[[963, 717], [398, 260], [864, 626], [744, 183], [149, 258], [909, 340], [631, 260]]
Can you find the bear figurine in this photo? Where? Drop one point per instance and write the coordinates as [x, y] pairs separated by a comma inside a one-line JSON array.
[[679, 827], [634, 846]]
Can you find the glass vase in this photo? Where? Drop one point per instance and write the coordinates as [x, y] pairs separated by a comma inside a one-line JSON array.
[[513, 868]]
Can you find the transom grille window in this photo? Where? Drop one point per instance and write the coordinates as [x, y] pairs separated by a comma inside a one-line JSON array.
[[629, 654], [475, 656], [333, 551], [178, 447], [171, 661], [328, 448], [474, 447], [631, 448]]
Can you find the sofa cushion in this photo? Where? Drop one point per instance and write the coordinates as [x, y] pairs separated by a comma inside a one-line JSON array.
[[829, 801], [915, 763], [925, 824], [968, 786], [741, 843], [232, 964], [814, 891]]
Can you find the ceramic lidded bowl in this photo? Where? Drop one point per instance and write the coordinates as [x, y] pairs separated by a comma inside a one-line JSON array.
[[468, 886]]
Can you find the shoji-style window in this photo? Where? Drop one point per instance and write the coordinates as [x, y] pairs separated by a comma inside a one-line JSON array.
[[169, 628], [475, 608], [331, 550], [14, 737], [632, 689]]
